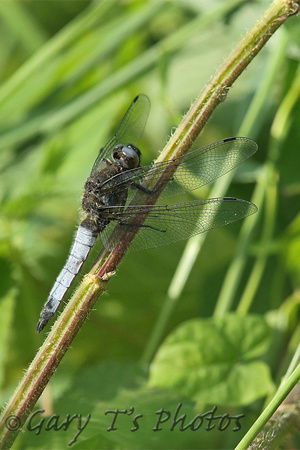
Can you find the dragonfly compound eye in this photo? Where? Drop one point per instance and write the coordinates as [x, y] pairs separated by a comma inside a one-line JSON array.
[[130, 156]]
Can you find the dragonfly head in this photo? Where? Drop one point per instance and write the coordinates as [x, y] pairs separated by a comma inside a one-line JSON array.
[[127, 156]]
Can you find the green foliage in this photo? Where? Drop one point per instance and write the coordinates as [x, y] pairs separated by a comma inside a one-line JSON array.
[[68, 72], [212, 360]]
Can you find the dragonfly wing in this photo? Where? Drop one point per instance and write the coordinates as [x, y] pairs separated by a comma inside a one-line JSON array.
[[130, 129], [166, 224], [193, 170], [199, 167]]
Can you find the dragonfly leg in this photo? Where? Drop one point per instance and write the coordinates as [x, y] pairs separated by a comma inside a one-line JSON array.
[[151, 191], [140, 226]]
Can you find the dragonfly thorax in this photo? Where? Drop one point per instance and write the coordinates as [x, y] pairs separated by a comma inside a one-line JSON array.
[[104, 189]]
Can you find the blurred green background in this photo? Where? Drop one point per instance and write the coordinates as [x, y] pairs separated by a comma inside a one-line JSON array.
[[69, 70]]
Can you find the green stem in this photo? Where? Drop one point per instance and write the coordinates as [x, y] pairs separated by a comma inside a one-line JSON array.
[[279, 129], [237, 265], [267, 179], [281, 394], [270, 194]]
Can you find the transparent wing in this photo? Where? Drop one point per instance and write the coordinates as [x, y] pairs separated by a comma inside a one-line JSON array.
[[161, 225], [130, 129], [193, 170]]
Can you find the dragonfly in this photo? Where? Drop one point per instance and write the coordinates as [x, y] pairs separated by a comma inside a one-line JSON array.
[[117, 175]]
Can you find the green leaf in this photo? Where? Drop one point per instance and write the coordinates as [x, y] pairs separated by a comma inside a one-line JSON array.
[[210, 360]]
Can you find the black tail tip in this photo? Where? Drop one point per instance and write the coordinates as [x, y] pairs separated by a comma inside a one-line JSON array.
[[40, 326]]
